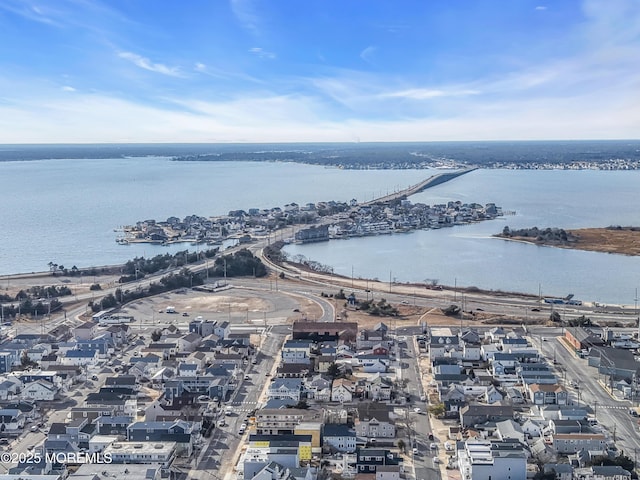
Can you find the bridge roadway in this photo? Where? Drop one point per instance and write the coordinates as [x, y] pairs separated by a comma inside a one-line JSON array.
[[418, 187]]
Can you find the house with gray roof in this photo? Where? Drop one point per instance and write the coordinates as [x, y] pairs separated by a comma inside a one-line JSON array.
[[373, 421], [282, 388], [475, 414]]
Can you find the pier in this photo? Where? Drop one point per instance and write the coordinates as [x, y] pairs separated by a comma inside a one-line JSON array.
[[418, 187]]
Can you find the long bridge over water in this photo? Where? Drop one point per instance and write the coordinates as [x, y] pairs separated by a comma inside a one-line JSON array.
[[418, 187]]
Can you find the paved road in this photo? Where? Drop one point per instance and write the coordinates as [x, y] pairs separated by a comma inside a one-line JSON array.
[[611, 413]]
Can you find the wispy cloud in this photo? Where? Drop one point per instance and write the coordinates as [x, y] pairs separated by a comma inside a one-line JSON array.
[[245, 13], [368, 54], [541, 7], [261, 53], [426, 94], [147, 64], [30, 11], [68, 88]]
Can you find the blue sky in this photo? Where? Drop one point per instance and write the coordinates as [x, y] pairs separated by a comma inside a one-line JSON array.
[[78, 71]]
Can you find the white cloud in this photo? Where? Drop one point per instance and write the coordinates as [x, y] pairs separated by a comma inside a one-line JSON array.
[[368, 54], [30, 11], [426, 94], [147, 64], [200, 67], [541, 7], [245, 13], [68, 88], [261, 53]]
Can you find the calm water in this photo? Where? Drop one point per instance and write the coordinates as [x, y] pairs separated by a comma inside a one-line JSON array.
[[65, 211], [469, 256]]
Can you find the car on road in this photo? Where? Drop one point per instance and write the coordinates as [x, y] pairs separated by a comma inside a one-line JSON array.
[[34, 428], [415, 451], [417, 409], [436, 460], [247, 377], [433, 446], [185, 314], [94, 377], [535, 309]]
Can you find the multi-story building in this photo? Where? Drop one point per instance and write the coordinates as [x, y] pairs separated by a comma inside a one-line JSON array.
[[485, 460]]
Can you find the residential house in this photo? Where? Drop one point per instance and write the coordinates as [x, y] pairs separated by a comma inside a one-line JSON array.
[[283, 388], [485, 460], [318, 388], [544, 394], [9, 388], [342, 390], [324, 331], [471, 415], [39, 390], [373, 421], [492, 395], [338, 438], [189, 342], [373, 363], [388, 472], [11, 419], [80, 358], [276, 421], [297, 351], [202, 327], [378, 387], [86, 331], [599, 472], [369, 459], [222, 329], [565, 443], [562, 471], [182, 432]]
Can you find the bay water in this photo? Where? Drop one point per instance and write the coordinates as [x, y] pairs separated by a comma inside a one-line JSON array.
[[65, 211]]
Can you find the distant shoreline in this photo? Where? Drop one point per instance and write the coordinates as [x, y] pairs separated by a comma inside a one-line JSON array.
[[615, 240]]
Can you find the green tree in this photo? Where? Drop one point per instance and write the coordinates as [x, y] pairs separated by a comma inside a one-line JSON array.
[[401, 445], [437, 410], [156, 335], [333, 371]]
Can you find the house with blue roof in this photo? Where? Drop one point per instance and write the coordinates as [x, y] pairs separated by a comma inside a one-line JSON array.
[[80, 358]]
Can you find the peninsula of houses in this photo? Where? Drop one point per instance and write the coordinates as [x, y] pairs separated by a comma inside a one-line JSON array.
[[314, 221]]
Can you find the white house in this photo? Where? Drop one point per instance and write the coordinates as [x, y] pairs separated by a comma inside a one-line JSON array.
[[388, 472], [339, 437], [80, 358], [342, 390], [531, 428], [285, 388], [484, 460], [492, 395], [39, 390]]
